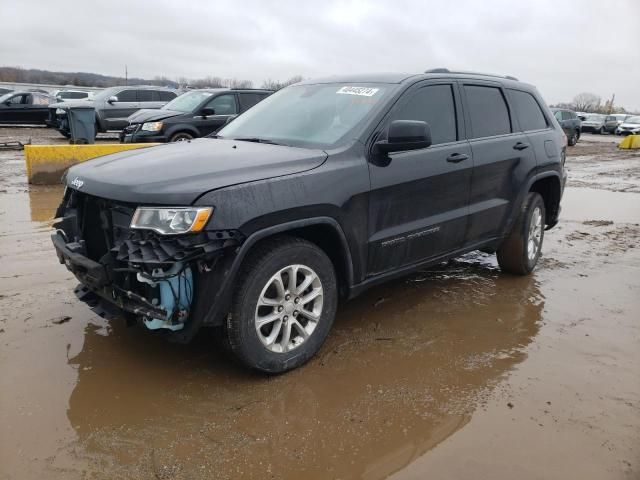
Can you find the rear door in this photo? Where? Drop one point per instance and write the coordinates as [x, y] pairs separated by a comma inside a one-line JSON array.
[[116, 113], [502, 156], [418, 203], [224, 106]]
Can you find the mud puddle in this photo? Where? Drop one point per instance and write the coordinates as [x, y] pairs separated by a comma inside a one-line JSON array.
[[454, 372]]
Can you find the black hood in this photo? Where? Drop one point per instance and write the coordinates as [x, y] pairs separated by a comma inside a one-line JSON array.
[[148, 115], [178, 173]]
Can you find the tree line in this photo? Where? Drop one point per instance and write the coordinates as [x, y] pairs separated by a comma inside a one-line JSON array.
[[86, 79], [592, 103]]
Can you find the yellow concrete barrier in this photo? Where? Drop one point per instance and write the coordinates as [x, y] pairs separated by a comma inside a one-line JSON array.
[[630, 142], [46, 163]]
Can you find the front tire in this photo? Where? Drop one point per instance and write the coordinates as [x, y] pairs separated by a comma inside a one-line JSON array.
[[284, 305], [520, 251], [181, 137]]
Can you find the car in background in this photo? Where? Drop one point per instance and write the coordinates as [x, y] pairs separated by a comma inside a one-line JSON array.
[[28, 108], [65, 95], [570, 123], [631, 126], [113, 106], [620, 118], [194, 114], [598, 123], [4, 91]]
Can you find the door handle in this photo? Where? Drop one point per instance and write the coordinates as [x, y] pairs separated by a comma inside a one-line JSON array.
[[520, 146], [457, 157]]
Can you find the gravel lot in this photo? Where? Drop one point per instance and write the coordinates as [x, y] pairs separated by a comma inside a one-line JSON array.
[[456, 372]]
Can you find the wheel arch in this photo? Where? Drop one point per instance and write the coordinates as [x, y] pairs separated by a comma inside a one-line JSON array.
[[325, 232], [182, 127], [549, 187]]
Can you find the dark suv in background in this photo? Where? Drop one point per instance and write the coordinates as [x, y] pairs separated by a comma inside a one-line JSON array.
[[113, 106], [570, 123], [320, 191], [194, 114]]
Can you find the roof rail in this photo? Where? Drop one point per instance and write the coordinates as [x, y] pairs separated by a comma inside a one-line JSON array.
[[446, 70]]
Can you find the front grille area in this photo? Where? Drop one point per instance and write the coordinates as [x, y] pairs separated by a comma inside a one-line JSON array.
[[131, 128], [102, 226]]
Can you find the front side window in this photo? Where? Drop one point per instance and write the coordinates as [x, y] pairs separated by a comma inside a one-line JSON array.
[[488, 111], [223, 105], [127, 96], [435, 105], [527, 110], [311, 116], [18, 99]]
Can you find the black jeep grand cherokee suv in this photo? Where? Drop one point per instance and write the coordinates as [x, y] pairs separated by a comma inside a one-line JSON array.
[[320, 191]]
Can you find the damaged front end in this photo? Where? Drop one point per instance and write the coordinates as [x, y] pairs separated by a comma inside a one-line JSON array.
[[138, 272]]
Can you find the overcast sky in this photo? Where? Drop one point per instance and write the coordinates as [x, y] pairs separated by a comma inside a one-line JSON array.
[[564, 47]]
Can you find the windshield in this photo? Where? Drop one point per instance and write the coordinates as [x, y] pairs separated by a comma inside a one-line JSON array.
[[595, 118], [106, 93], [315, 116], [5, 97], [633, 120], [187, 102]]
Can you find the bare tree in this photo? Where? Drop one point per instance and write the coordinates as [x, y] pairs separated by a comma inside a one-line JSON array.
[[586, 102], [277, 85]]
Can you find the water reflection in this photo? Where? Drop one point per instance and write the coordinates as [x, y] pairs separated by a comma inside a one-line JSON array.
[[405, 366]]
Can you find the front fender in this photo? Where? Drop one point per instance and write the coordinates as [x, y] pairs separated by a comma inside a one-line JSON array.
[[229, 268]]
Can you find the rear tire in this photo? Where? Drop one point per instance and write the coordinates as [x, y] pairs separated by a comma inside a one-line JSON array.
[[520, 251], [271, 327], [600, 131], [573, 139]]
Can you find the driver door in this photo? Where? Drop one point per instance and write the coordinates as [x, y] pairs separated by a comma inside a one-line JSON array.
[[224, 106], [14, 109], [419, 200], [116, 113]]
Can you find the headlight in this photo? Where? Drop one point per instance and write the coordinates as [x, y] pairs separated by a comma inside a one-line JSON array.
[[171, 220], [59, 111], [152, 126]]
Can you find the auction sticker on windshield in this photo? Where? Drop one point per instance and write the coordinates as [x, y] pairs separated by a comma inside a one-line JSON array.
[[362, 91]]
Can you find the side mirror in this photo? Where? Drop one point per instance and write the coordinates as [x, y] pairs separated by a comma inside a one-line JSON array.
[[112, 99], [406, 135], [206, 112], [8, 103]]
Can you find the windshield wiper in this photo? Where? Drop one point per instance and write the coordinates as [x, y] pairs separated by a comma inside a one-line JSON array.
[[257, 140]]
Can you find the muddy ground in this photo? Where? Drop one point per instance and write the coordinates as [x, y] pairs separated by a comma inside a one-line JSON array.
[[457, 372]]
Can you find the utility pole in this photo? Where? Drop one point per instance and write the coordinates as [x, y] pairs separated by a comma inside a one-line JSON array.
[[613, 98], [126, 75]]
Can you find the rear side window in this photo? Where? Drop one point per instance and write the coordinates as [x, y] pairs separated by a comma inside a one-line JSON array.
[[567, 116], [127, 96], [146, 96], [488, 111], [166, 96], [529, 113], [433, 104], [248, 100]]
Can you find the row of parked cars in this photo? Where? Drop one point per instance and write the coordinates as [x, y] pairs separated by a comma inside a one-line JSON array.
[[141, 114], [574, 123]]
